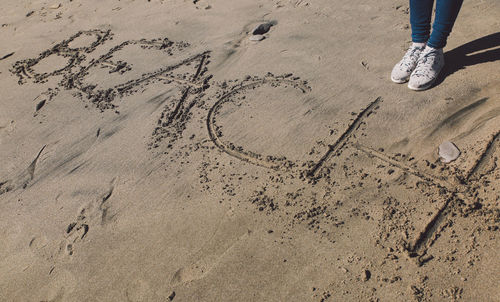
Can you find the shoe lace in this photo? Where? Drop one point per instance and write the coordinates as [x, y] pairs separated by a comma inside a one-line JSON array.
[[427, 58], [411, 52]]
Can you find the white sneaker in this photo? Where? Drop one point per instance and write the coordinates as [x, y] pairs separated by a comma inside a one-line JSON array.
[[429, 66], [402, 71]]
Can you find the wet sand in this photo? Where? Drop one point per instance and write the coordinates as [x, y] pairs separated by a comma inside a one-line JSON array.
[[153, 151]]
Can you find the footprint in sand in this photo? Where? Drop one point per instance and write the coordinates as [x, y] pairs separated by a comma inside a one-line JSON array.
[[76, 231], [95, 213], [140, 291], [42, 247], [92, 215], [227, 234], [6, 126], [5, 186], [58, 287]]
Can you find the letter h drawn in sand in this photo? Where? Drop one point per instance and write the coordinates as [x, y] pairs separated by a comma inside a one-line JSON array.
[[453, 192]]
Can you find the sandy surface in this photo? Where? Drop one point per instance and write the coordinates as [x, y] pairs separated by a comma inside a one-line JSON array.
[[149, 151]]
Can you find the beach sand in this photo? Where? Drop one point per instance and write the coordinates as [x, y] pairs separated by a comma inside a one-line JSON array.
[[151, 151]]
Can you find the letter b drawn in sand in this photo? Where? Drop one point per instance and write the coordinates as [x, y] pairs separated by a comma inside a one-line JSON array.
[[25, 69]]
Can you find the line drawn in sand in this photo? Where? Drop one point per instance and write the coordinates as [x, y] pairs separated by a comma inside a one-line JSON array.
[[344, 138], [23, 179]]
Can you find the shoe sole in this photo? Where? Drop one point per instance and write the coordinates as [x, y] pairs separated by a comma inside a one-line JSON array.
[[400, 81], [423, 87], [429, 85]]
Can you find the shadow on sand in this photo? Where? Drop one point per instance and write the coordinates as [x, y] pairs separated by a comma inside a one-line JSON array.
[[465, 55]]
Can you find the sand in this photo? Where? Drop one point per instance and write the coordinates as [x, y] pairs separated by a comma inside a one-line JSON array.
[[150, 151]]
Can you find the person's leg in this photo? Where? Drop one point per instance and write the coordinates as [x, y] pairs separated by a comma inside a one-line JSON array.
[[431, 60], [420, 19], [446, 14]]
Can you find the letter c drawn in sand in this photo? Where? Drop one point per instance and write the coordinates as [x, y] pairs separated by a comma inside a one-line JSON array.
[[271, 162]]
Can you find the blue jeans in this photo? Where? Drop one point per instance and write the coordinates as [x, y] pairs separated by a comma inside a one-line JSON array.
[[420, 19]]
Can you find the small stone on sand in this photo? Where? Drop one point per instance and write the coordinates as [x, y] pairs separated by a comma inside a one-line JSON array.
[[262, 28], [448, 152], [366, 275], [257, 38]]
